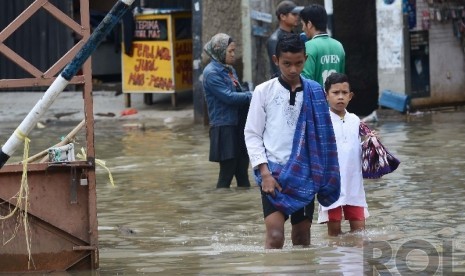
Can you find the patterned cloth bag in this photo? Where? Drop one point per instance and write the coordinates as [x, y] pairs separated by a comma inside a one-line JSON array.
[[376, 159]]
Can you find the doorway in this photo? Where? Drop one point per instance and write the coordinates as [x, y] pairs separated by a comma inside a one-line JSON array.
[[355, 27]]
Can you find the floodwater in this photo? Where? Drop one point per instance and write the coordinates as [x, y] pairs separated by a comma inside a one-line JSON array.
[[165, 217]]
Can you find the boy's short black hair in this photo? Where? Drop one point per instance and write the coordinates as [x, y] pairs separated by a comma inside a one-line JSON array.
[[290, 43], [335, 78], [317, 15]]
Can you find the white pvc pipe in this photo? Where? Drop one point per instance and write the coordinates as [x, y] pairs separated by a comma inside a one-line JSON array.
[[34, 115]]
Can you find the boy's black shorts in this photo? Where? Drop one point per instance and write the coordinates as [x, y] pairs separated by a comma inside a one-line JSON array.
[[297, 217]]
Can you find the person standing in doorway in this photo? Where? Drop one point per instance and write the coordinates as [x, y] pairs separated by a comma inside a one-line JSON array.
[[292, 147], [325, 55], [227, 104], [287, 13], [352, 203]]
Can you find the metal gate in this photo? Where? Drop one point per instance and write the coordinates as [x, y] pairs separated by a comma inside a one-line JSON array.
[[62, 213]]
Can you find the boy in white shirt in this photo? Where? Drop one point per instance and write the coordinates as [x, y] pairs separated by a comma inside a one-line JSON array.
[[291, 145], [352, 200]]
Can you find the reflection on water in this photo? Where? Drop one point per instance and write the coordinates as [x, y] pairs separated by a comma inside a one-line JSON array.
[[165, 216]]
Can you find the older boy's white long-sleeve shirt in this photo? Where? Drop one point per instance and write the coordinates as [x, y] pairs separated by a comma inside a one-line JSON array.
[[271, 123]]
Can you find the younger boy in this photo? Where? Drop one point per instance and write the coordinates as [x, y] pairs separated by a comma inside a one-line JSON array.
[[288, 122], [352, 201]]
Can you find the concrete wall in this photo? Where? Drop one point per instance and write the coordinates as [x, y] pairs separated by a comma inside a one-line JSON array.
[[447, 67], [224, 17], [391, 58], [447, 62]]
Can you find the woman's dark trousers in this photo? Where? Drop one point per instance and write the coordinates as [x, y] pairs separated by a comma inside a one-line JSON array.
[[238, 167]]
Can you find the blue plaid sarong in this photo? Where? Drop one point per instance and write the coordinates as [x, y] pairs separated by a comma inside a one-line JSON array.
[[313, 166]]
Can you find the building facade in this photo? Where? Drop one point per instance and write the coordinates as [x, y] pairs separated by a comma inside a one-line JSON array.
[[421, 50]]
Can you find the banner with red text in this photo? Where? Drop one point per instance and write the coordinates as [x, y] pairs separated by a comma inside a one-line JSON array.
[[150, 69], [161, 60]]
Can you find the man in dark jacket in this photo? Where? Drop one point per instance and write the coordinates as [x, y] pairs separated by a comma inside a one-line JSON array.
[[288, 18]]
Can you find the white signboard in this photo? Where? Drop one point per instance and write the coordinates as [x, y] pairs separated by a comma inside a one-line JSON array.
[[261, 16]]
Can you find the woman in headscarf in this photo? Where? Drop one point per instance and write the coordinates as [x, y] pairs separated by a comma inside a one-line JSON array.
[[227, 104]]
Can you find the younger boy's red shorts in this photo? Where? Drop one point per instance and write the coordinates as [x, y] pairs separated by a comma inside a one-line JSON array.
[[350, 213]]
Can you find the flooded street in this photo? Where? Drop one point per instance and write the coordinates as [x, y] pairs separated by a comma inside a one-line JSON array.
[[165, 216]]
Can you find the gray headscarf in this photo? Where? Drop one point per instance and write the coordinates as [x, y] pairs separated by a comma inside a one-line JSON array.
[[216, 48]]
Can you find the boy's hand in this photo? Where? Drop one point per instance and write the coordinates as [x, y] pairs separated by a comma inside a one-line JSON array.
[[269, 184], [371, 134]]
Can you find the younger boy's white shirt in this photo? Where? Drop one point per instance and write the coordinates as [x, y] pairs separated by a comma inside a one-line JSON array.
[[271, 122]]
